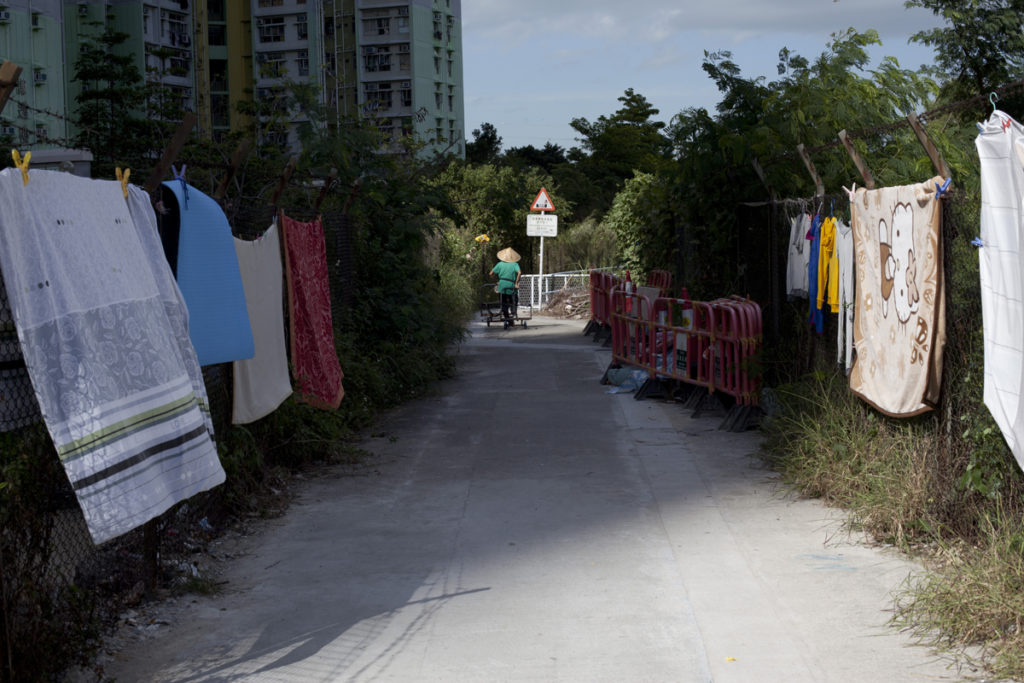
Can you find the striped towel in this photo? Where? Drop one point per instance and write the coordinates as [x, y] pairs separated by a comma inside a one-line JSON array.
[[105, 337]]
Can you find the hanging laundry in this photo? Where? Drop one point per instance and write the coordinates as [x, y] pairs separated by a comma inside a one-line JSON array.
[[799, 257], [828, 267], [845, 294], [815, 317], [261, 383], [199, 246], [103, 331], [899, 324], [315, 365], [1000, 145]]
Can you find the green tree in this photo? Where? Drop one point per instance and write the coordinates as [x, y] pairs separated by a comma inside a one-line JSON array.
[[981, 45], [486, 145], [549, 157], [612, 148], [110, 105]]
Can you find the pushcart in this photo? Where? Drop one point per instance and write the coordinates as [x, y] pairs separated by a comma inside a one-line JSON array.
[[490, 309]]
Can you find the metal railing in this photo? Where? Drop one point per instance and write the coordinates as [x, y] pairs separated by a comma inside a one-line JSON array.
[[537, 289]]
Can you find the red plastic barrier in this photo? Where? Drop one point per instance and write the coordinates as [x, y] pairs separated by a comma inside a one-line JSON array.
[[601, 285], [662, 279], [632, 329], [709, 344]]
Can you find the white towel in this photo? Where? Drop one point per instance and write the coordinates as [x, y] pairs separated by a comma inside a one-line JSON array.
[[262, 382], [847, 299], [1002, 274], [105, 338]]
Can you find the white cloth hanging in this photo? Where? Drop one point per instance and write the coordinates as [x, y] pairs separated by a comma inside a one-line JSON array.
[[799, 257], [104, 332], [847, 299], [1000, 141], [262, 382]]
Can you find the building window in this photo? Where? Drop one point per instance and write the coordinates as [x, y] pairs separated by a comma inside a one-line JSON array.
[[303, 62], [22, 111], [272, 64], [437, 65], [403, 24], [404, 64], [437, 99], [451, 103], [271, 29], [406, 95], [449, 68], [302, 26], [271, 3], [383, 27], [218, 34]]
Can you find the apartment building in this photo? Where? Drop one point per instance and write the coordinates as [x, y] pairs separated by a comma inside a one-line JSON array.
[[30, 35], [395, 62], [410, 70]]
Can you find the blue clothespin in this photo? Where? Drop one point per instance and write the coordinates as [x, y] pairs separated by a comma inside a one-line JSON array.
[[180, 175], [941, 189], [976, 242]]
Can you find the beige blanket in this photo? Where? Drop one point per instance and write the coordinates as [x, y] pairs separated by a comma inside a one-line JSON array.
[[899, 324]]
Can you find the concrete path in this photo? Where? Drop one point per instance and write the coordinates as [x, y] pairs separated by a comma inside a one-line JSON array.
[[524, 525]]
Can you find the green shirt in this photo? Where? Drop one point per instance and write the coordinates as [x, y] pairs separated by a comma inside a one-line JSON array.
[[506, 276]]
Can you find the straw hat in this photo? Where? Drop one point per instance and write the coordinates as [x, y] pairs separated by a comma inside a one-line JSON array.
[[509, 255]]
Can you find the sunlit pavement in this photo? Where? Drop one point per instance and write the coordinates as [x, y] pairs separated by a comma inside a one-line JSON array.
[[525, 525]]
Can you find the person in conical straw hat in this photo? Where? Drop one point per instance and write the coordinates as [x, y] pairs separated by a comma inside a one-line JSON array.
[[508, 273]]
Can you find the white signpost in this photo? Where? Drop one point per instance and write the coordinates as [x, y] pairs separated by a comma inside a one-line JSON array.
[[541, 226]]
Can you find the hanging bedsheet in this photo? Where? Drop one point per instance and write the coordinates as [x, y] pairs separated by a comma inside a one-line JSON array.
[[104, 333], [844, 256], [261, 383], [199, 246], [315, 366], [899, 322], [1000, 144]]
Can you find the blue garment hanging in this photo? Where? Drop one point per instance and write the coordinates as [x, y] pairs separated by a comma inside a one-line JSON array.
[[815, 316]]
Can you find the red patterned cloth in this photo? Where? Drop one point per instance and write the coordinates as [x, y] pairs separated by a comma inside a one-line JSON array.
[[315, 366]]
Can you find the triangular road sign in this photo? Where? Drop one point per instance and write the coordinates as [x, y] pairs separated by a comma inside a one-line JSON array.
[[542, 202]]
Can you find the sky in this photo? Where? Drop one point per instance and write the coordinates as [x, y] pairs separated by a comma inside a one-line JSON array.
[[532, 66]]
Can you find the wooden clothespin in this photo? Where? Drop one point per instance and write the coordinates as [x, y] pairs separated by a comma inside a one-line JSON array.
[[851, 191], [123, 179], [21, 164]]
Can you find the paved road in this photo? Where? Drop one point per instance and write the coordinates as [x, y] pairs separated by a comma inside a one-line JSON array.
[[524, 525]]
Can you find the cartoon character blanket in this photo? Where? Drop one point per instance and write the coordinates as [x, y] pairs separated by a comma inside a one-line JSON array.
[[899, 323]]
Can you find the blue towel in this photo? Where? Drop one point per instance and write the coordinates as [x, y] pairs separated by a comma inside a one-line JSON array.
[[201, 250]]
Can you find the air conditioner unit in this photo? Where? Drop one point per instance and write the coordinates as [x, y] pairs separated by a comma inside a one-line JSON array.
[[406, 84], [369, 50], [404, 47], [40, 77], [5, 16], [370, 87]]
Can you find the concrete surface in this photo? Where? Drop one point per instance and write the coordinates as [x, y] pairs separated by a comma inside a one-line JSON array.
[[525, 525]]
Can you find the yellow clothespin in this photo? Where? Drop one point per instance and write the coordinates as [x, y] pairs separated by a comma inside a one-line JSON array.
[[22, 164], [123, 179]]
